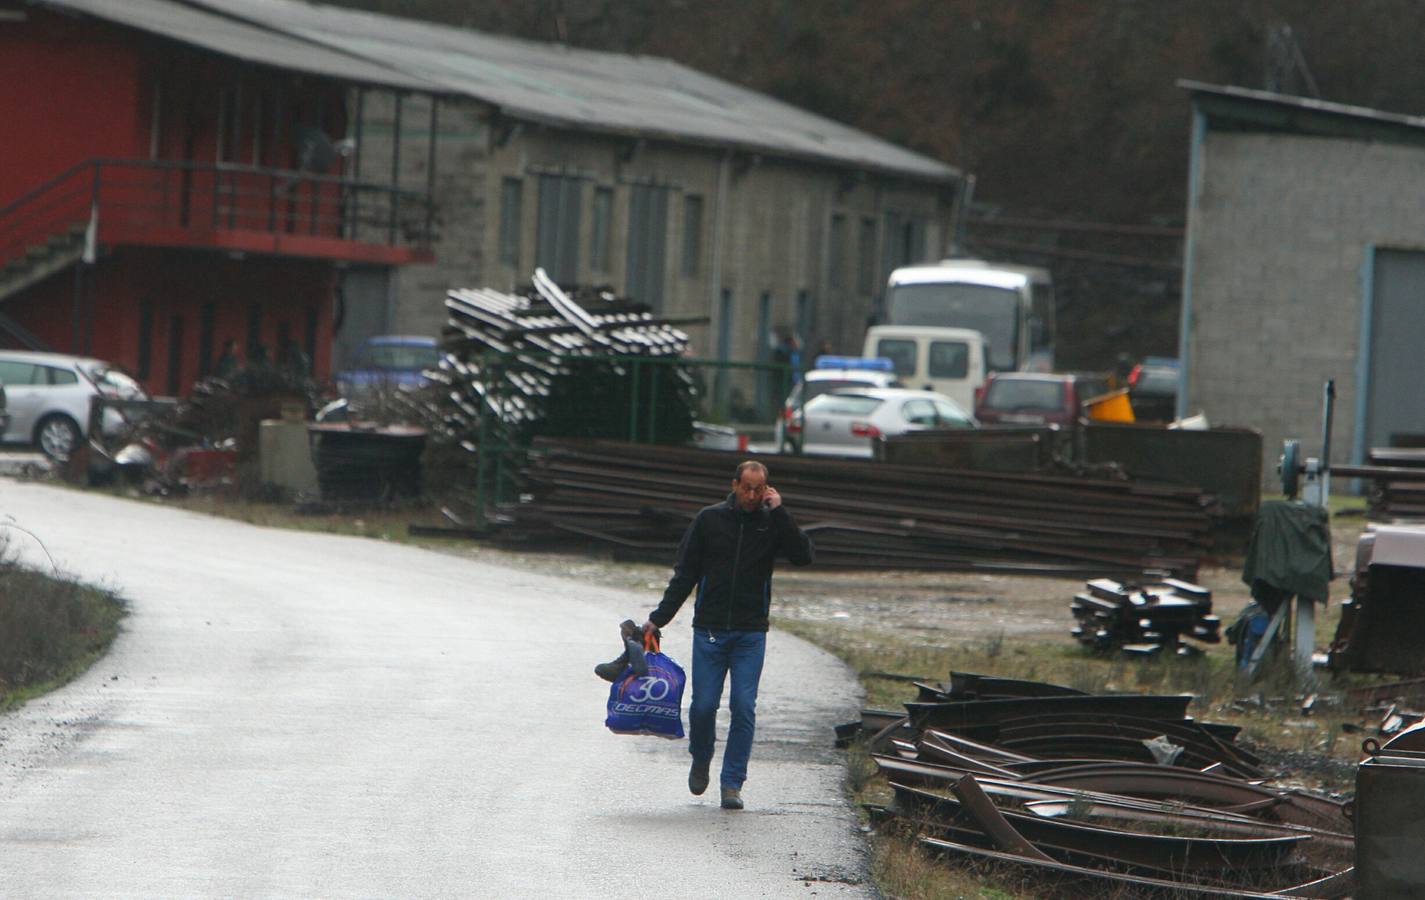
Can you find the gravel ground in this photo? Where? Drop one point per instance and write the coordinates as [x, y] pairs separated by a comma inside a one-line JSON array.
[[929, 608]]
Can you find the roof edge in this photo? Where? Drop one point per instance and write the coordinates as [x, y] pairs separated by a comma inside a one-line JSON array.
[[1305, 104]]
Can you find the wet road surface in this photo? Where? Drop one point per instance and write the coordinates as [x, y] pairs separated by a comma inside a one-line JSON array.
[[295, 714]]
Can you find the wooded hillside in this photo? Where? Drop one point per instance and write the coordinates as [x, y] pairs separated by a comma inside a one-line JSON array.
[[1063, 109]]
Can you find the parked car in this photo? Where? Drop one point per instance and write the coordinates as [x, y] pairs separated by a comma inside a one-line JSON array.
[[848, 422], [1031, 398], [833, 373], [47, 397], [388, 361], [1153, 389]]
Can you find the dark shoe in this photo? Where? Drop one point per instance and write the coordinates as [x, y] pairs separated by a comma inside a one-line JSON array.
[[731, 798], [698, 778], [633, 655], [610, 671]]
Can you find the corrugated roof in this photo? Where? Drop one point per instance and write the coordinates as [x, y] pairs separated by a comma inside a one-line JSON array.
[[551, 83], [240, 39], [587, 88]]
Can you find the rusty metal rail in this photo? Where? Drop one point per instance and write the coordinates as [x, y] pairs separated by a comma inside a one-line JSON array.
[[1144, 620], [869, 515], [970, 778]]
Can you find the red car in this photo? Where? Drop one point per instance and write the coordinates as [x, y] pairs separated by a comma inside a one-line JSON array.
[[1030, 398]]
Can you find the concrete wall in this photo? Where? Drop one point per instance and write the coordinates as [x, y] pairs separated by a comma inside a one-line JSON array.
[[765, 221], [462, 141], [1280, 230]]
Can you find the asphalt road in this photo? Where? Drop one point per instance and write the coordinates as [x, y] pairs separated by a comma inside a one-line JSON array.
[[292, 714]]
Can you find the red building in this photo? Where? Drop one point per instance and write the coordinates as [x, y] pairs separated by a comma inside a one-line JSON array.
[[170, 182]]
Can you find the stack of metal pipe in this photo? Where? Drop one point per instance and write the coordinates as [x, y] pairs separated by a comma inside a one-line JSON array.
[[514, 362], [864, 514]]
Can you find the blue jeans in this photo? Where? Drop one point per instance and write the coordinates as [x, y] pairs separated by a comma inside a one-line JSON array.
[[715, 653]]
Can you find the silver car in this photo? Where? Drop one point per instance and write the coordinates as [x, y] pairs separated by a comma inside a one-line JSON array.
[[47, 397], [848, 422], [832, 373]]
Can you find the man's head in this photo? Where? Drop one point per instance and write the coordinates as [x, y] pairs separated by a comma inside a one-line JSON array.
[[750, 484]]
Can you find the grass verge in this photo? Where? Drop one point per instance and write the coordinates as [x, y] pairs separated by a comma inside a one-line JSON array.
[[52, 629]]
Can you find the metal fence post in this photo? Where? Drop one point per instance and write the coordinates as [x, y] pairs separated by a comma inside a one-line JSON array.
[[653, 405], [633, 407], [483, 442]]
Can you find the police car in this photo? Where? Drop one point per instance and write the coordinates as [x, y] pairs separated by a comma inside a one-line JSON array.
[[831, 373]]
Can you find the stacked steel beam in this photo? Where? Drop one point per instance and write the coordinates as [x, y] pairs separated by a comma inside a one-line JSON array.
[[1144, 620], [863, 514], [1398, 486], [1112, 788], [513, 362]]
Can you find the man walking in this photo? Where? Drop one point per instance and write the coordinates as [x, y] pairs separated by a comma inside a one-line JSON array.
[[727, 553]]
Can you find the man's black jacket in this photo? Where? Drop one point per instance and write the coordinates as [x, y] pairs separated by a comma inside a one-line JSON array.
[[727, 554]]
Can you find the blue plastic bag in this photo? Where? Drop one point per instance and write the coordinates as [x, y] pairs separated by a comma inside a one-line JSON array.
[[651, 703]]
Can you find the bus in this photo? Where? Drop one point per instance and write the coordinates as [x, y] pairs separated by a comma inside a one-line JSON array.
[[1012, 306]]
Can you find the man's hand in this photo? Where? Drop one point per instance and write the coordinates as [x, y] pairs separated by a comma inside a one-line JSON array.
[[772, 498]]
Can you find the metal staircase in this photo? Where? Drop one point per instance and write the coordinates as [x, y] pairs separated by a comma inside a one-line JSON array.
[[41, 260]]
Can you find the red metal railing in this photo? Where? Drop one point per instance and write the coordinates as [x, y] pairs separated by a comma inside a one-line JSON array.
[[178, 201]]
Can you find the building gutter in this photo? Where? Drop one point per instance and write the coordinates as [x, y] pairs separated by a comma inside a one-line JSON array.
[[724, 176], [1199, 133], [1363, 355]]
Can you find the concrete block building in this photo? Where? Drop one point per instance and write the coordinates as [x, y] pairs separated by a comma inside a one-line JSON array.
[[1304, 260], [703, 199]]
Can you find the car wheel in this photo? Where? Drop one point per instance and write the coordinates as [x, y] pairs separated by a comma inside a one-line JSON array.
[[57, 436]]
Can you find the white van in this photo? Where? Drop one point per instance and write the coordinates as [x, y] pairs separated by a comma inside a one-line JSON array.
[[950, 361]]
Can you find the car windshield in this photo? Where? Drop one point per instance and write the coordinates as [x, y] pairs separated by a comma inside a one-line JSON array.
[[1015, 393], [843, 405], [397, 356], [816, 388], [992, 311]]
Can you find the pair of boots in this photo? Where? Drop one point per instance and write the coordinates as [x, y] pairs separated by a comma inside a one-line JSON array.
[[698, 778], [631, 657]]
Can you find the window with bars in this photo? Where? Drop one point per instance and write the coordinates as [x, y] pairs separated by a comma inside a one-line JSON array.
[[866, 257], [602, 213], [557, 234], [647, 243], [692, 235], [836, 253], [511, 200]]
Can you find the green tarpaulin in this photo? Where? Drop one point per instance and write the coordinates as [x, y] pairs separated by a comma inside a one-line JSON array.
[[1290, 553]]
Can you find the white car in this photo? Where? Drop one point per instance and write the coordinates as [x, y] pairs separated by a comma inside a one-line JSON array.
[[47, 396], [849, 422], [832, 373]]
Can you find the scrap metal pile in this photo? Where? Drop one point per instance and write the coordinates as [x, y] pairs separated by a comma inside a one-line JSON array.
[[639, 498], [541, 363], [1079, 788], [1144, 620]]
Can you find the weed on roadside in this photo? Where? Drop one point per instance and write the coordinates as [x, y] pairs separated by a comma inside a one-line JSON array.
[[51, 629]]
